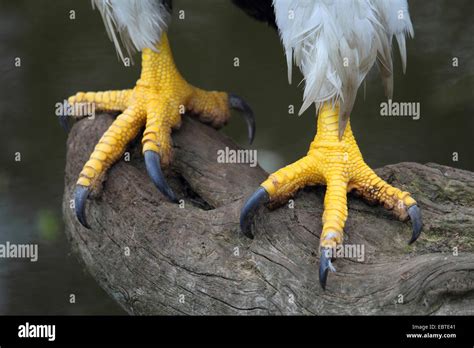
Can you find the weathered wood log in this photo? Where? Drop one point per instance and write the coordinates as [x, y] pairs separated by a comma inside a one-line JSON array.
[[154, 257]]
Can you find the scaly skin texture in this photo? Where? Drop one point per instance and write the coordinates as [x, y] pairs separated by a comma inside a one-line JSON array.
[[339, 165], [158, 100]]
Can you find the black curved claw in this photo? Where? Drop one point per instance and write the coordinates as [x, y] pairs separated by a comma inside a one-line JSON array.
[[80, 198], [63, 121], [152, 162], [248, 210], [325, 265], [417, 223], [235, 102]]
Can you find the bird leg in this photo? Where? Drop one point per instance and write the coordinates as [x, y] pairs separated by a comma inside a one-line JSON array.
[[157, 101], [338, 164]]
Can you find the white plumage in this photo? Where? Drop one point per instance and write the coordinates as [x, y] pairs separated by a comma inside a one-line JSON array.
[[138, 23], [336, 42]]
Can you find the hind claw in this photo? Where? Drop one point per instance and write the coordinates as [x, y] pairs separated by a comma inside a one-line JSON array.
[[237, 103]]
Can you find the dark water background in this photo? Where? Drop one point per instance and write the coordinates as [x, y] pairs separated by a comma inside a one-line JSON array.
[[61, 56]]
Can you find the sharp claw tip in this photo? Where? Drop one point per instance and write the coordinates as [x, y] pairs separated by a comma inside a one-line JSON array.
[[249, 235], [63, 121], [80, 199], [415, 217], [153, 167], [325, 265], [238, 103], [323, 285], [245, 227], [248, 210], [323, 276]]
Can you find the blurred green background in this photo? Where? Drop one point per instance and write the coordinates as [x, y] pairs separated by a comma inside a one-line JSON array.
[[60, 56]]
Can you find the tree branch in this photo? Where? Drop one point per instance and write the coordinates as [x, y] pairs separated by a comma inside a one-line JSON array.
[[194, 260]]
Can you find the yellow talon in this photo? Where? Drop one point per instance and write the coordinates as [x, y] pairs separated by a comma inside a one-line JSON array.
[[337, 163], [158, 100]]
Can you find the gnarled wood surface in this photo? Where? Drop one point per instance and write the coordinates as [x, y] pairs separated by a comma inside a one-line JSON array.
[[154, 257]]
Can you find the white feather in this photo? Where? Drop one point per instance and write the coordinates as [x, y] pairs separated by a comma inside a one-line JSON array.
[[321, 36], [138, 23]]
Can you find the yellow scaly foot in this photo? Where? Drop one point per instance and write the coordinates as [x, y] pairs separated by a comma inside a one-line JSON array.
[[158, 100], [338, 164]]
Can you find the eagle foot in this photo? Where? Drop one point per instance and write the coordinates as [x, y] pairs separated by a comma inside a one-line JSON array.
[[158, 100], [338, 164]]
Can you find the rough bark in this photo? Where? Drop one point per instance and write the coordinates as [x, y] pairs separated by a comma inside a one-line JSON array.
[[192, 251]]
